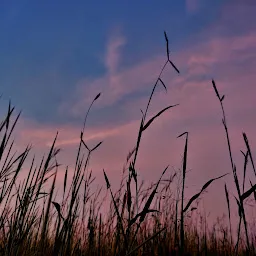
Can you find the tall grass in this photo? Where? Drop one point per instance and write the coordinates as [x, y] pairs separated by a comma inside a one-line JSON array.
[[139, 220]]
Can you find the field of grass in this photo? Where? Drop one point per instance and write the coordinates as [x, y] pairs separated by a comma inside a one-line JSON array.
[[139, 220]]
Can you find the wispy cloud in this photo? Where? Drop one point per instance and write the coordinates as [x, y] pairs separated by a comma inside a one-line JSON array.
[[114, 87], [113, 54], [230, 60], [192, 90]]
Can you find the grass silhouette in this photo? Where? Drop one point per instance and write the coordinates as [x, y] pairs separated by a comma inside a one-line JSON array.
[[139, 221]]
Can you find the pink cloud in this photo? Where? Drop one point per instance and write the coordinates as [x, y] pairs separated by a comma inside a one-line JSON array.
[[199, 113], [190, 89], [226, 59], [201, 60], [68, 135]]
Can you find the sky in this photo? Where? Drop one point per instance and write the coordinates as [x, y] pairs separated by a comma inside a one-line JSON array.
[[57, 56]]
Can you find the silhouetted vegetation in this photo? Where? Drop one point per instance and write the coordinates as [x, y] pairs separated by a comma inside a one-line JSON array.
[[139, 220]]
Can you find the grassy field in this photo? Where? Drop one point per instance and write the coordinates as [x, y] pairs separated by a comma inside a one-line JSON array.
[[139, 220]]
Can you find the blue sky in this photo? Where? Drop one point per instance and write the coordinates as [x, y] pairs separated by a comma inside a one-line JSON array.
[[47, 48]]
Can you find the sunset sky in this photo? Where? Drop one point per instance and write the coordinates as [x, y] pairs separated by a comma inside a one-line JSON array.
[[55, 57]]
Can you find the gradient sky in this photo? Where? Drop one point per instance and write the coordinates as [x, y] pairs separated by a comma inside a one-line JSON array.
[[56, 56]]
